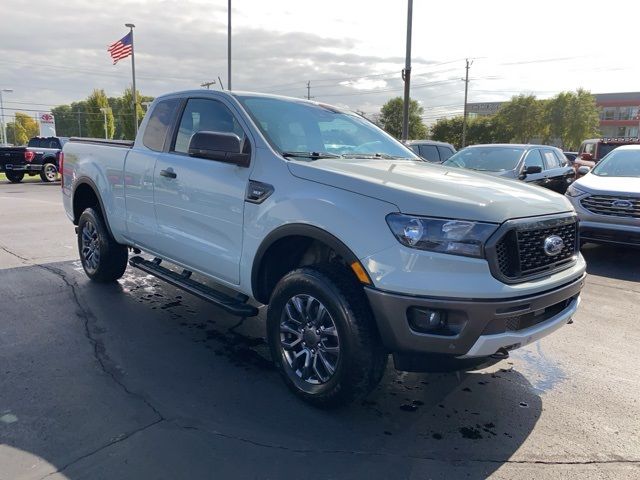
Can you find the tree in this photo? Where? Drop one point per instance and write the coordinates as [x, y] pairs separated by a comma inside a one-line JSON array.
[[584, 119], [448, 130], [479, 130], [522, 118], [391, 118], [126, 113], [95, 121], [22, 129]]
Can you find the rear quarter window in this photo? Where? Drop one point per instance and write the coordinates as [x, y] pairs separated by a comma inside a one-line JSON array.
[[445, 153], [429, 152], [159, 124]]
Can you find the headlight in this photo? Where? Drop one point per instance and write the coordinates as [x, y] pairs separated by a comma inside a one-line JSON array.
[[573, 191], [457, 237]]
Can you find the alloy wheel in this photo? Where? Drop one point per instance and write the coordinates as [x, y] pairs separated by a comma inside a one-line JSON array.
[[309, 339], [90, 247]]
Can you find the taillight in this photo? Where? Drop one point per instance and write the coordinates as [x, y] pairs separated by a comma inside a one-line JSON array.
[[61, 168], [29, 156]]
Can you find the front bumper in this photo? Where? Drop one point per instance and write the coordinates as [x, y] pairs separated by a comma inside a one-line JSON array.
[[483, 326], [611, 233]]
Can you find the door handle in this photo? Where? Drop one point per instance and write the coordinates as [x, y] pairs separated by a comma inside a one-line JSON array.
[[169, 173]]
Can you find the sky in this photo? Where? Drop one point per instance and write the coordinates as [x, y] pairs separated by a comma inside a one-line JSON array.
[[352, 51]]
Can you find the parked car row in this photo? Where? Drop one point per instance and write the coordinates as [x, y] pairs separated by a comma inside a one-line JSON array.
[[41, 157]]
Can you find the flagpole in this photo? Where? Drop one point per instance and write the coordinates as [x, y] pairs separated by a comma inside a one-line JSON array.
[[133, 73]]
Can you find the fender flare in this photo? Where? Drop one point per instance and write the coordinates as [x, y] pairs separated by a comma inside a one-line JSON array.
[[90, 183], [296, 230]]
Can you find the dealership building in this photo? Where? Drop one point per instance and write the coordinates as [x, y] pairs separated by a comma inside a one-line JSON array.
[[618, 112]]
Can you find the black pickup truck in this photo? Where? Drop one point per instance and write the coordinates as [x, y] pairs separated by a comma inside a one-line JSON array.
[[40, 156]]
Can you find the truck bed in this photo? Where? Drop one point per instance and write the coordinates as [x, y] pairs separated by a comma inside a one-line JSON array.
[[103, 141]]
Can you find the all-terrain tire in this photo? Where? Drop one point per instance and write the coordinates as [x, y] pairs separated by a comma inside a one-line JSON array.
[[14, 177], [362, 359], [103, 259]]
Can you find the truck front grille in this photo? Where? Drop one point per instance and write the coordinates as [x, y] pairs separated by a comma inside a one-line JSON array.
[[520, 253], [617, 206]]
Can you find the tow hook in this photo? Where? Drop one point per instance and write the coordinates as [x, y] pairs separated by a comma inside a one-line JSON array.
[[501, 354]]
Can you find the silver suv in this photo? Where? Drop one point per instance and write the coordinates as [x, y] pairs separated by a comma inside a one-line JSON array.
[[607, 199]]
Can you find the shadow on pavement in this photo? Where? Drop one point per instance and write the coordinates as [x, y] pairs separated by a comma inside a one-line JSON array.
[[139, 380], [614, 261]]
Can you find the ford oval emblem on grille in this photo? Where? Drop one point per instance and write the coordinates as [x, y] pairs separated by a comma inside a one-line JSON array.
[[553, 245], [622, 204]]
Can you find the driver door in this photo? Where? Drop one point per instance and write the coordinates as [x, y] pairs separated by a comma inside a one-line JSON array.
[[199, 203]]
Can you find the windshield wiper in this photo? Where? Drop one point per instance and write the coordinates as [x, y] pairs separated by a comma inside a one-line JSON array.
[[311, 155], [372, 155]]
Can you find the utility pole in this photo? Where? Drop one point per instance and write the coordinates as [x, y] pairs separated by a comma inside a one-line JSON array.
[[464, 115], [4, 125], [104, 112], [79, 125], [406, 76], [309, 90], [229, 46], [207, 84]]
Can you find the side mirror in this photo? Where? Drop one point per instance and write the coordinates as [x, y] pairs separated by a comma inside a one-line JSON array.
[[583, 170], [532, 169], [586, 156], [220, 146]]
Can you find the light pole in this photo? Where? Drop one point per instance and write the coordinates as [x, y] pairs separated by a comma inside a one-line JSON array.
[[104, 112], [406, 76], [4, 127], [229, 46]]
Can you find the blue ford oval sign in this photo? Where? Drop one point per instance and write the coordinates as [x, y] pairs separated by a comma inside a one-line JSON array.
[[553, 245]]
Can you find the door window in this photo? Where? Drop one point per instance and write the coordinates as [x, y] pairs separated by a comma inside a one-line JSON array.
[[534, 159], [158, 125], [445, 153], [429, 152], [550, 159], [201, 114]]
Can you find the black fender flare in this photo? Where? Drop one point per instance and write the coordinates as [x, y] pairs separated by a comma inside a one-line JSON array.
[[296, 230], [90, 183]]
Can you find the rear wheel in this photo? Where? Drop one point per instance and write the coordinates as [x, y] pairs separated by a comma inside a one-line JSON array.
[[14, 177], [49, 173], [103, 259], [323, 337]]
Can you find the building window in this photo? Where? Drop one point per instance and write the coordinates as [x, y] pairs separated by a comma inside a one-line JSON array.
[[608, 113]]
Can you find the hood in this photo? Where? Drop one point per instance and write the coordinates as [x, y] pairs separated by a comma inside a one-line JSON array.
[[609, 185], [422, 188]]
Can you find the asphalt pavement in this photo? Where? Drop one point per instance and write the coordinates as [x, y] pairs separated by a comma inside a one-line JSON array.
[[140, 380]]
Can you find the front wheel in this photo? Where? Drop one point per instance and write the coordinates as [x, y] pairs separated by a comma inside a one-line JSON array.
[[103, 259], [323, 337], [14, 177], [49, 173]]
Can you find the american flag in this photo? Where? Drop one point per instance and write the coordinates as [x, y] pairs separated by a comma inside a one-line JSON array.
[[121, 49]]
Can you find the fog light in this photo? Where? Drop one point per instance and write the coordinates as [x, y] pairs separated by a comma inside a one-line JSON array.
[[426, 320]]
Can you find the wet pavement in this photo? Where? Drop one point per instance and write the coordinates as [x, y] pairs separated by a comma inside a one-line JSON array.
[[141, 380]]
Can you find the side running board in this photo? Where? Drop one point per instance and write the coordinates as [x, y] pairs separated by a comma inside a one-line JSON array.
[[235, 305]]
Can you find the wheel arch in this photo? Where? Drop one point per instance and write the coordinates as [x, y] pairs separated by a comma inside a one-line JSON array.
[[279, 241], [85, 195]]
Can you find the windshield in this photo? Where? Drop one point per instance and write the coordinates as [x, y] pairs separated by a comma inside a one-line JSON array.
[[489, 159], [298, 127], [606, 148], [619, 163]]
